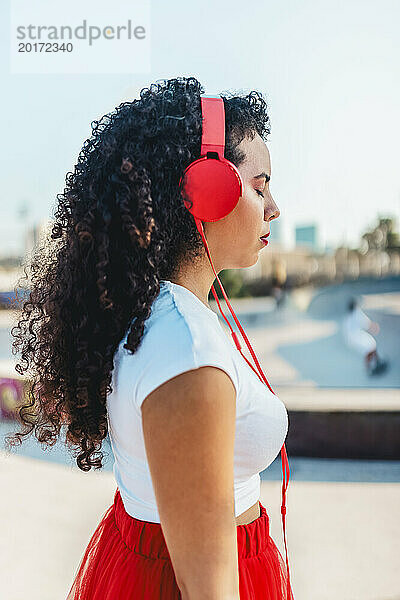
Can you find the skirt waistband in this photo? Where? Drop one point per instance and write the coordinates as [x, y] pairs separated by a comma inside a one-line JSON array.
[[147, 538]]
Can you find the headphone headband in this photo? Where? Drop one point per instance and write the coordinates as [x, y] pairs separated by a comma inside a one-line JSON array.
[[213, 138]]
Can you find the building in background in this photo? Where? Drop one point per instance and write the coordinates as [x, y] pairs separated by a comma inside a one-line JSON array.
[[306, 236], [378, 255]]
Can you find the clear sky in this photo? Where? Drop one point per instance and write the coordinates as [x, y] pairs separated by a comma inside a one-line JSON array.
[[329, 70]]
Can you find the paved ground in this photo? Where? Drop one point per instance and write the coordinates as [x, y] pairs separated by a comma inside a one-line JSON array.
[[343, 538]]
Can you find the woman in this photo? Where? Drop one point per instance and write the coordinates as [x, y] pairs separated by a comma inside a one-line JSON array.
[[190, 424]]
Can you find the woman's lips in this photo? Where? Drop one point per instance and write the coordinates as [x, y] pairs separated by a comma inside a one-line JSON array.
[[264, 239]]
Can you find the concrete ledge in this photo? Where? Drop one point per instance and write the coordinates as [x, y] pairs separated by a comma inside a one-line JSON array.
[[343, 423], [344, 434], [300, 397]]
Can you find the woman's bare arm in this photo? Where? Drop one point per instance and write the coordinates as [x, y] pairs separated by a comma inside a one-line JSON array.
[[189, 434]]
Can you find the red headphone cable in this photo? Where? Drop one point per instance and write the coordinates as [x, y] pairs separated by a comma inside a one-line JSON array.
[[285, 462]]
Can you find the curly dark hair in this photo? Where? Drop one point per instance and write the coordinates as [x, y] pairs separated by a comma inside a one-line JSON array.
[[120, 226]]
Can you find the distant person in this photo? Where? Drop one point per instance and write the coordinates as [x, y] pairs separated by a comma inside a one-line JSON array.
[[279, 276], [358, 331], [279, 296]]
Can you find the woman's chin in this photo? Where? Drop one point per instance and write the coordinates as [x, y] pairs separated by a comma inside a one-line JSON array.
[[245, 261], [251, 260]]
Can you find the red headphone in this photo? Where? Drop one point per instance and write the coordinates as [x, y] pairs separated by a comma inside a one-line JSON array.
[[211, 187]]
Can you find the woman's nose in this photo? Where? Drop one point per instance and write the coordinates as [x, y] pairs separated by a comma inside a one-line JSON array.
[[271, 210]]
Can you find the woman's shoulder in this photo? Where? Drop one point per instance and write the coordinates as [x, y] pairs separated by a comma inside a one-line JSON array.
[[179, 336], [178, 318]]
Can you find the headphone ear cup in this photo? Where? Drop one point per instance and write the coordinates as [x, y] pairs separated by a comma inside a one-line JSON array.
[[211, 188]]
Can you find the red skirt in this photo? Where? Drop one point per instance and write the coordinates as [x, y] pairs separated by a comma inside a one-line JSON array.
[[127, 559]]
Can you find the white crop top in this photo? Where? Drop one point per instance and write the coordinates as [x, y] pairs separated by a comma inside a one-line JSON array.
[[181, 334]]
